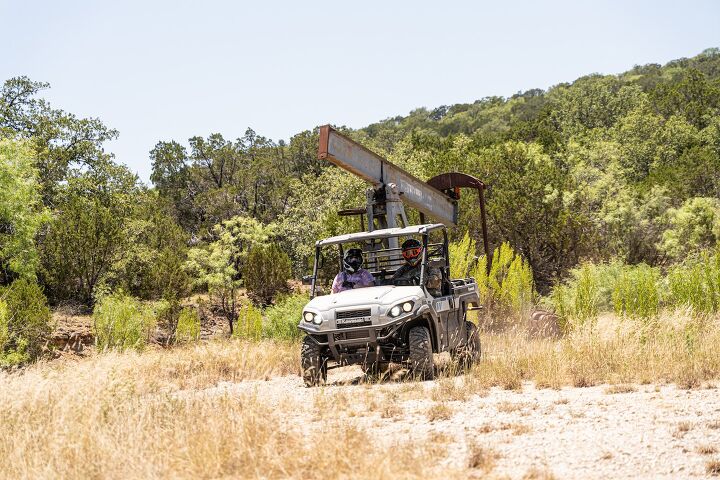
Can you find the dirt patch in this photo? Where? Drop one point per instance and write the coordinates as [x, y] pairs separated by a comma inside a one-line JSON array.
[[529, 433]]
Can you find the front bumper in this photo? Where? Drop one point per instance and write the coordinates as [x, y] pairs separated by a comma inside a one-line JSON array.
[[366, 344]]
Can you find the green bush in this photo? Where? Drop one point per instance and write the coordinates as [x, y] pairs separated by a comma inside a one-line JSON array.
[[508, 289], [462, 257], [695, 284], [266, 272], [283, 318], [25, 322], [249, 323], [636, 293], [188, 326], [121, 321]]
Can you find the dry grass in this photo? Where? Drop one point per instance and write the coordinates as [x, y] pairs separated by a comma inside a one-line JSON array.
[[147, 416], [712, 467], [439, 411], [621, 388], [535, 473], [482, 458], [682, 428], [707, 449], [509, 407], [614, 351]]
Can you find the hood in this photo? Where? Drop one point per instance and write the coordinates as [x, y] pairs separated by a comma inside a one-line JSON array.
[[382, 295]]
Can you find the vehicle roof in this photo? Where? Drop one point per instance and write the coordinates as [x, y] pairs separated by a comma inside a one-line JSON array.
[[385, 233]]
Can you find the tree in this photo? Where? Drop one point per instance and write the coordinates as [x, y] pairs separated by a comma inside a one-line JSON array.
[[61, 141], [218, 265], [88, 234], [21, 211]]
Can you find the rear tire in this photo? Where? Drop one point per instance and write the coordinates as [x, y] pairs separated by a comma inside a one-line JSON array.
[[421, 354], [472, 350], [312, 364]]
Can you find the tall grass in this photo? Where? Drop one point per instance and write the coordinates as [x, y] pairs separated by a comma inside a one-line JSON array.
[[679, 349], [591, 289], [160, 415], [636, 293], [695, 284]]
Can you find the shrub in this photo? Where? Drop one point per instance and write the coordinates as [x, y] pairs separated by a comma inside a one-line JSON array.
[[121, 321], [462, 257], [636, 294], [508, 288], [266, 272], [695, 284], [25, 322], [188, 326], [693, 226], [249, 323], [282, 318]]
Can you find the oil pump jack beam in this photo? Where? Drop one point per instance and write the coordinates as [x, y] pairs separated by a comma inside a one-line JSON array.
[[351, 156]]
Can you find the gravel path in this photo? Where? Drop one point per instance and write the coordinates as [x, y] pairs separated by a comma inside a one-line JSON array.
[[632, 431]]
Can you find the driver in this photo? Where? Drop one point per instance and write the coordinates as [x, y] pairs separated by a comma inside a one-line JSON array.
[[352, 275], [409, 273]]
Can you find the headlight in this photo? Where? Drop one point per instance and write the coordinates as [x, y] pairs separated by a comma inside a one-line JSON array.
[[404, 307], [311, 317]]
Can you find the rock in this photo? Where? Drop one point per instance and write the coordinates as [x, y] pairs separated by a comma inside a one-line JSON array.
[[544, 324]]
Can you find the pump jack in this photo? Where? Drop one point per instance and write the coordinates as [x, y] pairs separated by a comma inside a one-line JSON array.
[[392, 187]]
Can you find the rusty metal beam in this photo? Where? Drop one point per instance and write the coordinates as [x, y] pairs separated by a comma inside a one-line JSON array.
[[353, 157], [450, 183]]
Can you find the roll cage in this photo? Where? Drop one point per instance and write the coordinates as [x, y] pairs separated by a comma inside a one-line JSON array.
[[383, 260]]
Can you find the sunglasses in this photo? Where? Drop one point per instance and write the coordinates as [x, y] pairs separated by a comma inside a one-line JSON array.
[[411, 252]]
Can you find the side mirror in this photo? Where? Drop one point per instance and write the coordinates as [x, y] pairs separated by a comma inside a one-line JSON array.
[[307, 279]]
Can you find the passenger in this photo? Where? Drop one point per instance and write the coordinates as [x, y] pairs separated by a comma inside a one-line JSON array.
[[409, 273], [353, 275]]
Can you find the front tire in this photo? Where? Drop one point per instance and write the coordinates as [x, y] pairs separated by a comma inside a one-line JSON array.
[[421, 355], [312, 363]]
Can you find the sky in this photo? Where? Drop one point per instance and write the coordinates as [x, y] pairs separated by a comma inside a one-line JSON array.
[[170, 70]]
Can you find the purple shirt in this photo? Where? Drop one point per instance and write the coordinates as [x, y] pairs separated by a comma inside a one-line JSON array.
[[361, 278]]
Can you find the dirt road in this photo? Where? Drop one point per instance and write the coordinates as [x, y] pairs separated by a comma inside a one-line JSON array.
[[626, 431]]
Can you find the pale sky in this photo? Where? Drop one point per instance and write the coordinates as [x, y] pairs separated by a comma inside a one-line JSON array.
[[169, 70]]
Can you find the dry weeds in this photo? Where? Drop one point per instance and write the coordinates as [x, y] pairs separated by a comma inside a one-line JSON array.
[[620, 388], [439, 411], [614, 351], [135, 416], [712, 467], [707, 449], [482, 458], [535, 473], [682, 428]]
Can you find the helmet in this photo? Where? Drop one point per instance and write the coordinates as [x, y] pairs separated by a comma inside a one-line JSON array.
[[353, 260], [412, 251]]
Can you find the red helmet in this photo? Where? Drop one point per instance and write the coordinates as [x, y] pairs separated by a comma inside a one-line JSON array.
[[412, 251]]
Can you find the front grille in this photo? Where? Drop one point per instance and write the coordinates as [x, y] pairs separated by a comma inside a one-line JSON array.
[[353, 313], [356, 335]]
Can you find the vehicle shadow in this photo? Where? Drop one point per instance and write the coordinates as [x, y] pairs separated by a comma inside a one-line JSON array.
[[395, 373]]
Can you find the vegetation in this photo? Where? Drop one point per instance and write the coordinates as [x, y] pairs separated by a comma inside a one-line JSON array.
[[266, 272], [25, 322], [604, 197], [121, 321]]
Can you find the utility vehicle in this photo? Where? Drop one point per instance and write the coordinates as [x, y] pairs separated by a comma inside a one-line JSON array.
[[393, 321]]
